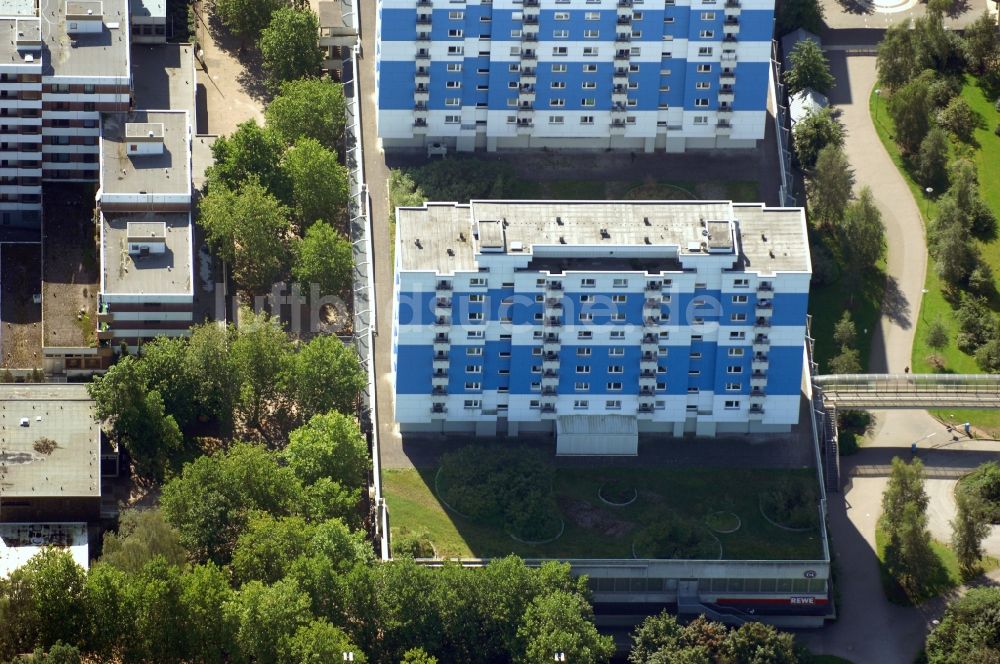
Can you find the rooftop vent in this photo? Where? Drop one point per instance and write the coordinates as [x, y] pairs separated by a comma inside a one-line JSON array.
[[417, 242], [605, 235], [559, 221], [562, 240], [517, 246], [763, 236], [461, 237], [451, 252], [645, 221]]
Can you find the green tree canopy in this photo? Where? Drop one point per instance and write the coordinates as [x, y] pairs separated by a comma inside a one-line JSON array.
[[795, 14], [162, 368], [326, 375], [318, 180], [204, 593], [980, 44], [844, 332], [968, 529], [863, 233], [266, 619], [809, 69], [968, 630], [897, 55], [561, 622], [246, 18], [250, 153], [832, 182], [261, 354], [289, 45], [309, 108], [325, 257], [330, 446], [319, 642], [250, 230], [910, 110], [143, 534], [267, 547], [813, 133], [932, 160], [210, 368], [959, 118]]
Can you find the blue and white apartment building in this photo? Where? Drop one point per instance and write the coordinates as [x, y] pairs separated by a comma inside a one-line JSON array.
[[599, 321], [651, 75]]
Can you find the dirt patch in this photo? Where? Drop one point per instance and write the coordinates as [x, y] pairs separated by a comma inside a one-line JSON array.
[[585, 515], [20, 282]]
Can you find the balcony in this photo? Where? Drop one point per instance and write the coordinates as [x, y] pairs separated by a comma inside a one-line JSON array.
[[524, 126], [420, 126], [530, 37], [757, 393], [554, 286], [444, 286], [528, 75], [549, 391], [645, 408], [622, 57], [647, 373], [654, 287], [553, 322], [617, 128], [623, 39], [548, 408], [423, 36], [759, 363], [625, 3], [438, 409], [758, 375], [651, 321], [621, 75], [762, 321], [765, 287], [729, 38], [424, 3], [443, 303], [530, 20], [756, 410], [439, 391], [529, 56], [532, 3], [423, 19], [442, 321], [725, 109], [553, 303], [625, 19], [423, 75], [423, 57]]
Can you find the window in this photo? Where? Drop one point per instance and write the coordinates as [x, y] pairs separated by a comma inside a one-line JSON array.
[[562, 16], [588, 283], [705, 51], [586, 318], [475, 315], [512, 119], [452, 101], [619, 299], [587, 119], [456, 16], [592, 16], [589, 85], [702, 85], [591, 34], [695, 355], [735, 352], [590, 51], [475, 351], [536, 352], [664, 88], [617, 334], [621, 283], [558, 85], [737, 336], [558, 69], [514, 68], [614, 387], [589, 69], [708, 16], [738, 318], [452, 119], [633, 85], [536, 369], [668, 19], [505, 354], [740, 299], [474, 334], [613, 404], [701, 119], [474, 368], [732, 404], [512, 85], [584, 334], [733, 387], [586, 299], [694, 372], [557, 103], [454, 66], [477, 281], [556, 119], [515, 34], [734, 369], [741, 283], [534, 403], [701, 102], [704, 69], [560, 34], [538, 316], [485, 19], [692, 390], [472, 403], [588, 102], [473, 385], [616, 369], [455, 33], [559, 50], [695, 337], [583, 352], [631, 103], [616, 351], [582, 369], [581, 387], [514, 50], [634, 68], [580, 404], [452, 85]]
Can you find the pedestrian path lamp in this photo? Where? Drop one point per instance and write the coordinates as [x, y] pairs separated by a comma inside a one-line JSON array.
[[929, 191], [878, 98]]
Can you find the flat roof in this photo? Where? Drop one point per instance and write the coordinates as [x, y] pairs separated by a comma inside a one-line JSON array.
[[32, 418], [103, 53], [148, 8], [166, 173], [19, 542], [445, 237], [167, 272], [163, 77]]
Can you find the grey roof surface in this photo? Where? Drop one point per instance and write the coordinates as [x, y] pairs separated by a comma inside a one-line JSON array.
[[805, 102], [163, 77], [439, 236], [167, 173], [168, 272], [148, 8], [103, 53], [63, 413]]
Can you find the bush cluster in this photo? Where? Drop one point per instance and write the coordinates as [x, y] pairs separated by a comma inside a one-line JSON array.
[[791, 504]]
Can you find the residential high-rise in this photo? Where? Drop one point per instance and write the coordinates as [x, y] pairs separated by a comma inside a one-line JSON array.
[[647, 75], [598, 321]]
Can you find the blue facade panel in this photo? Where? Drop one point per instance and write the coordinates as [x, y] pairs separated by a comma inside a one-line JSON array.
[[414, 368], [784, 375]]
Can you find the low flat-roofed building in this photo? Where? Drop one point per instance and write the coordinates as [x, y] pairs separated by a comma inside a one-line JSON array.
[[50, 454], [146, 162], [19, 542], [146, 276], [149, 21], [163, 76]]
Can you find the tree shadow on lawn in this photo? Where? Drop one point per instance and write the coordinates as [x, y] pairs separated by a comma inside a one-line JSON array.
[[858, 7]]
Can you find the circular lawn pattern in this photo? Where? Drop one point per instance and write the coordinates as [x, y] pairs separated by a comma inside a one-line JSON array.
[[673, 538], [723, 522], [617, 494]]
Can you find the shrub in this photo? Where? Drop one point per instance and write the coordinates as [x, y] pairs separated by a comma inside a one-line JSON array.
[[937, 334], [791, 504], [408, 544], [671, 537], [936, 362], [976, 324], [984, 481], [959, 118], [981, 279]]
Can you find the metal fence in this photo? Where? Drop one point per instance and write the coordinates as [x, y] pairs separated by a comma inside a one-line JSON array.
[[786, 189]]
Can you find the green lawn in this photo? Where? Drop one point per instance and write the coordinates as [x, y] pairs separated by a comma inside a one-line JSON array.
[[935, 306], [593, 529]]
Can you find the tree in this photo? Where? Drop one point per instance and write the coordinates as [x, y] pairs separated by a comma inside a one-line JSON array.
[[971, 209], [266, 620], [154, 596], [844, 332], [831, 187], [904, 521], [289, 45], [969, 528], [848, 361], [809, 69], [562, 622], [210, 502], [815, 132], [162, 368], [261, 355], [109, 625], [250, 230], [326, 375], [210, 368], [937, 334], [959, 118], [266, 549], [955, 254], [654, 635], [309, 108], [59, 653], [896, 55], [135, 416], [325, 257], [981, 47], [988, 356], [143, 534], [246, 18], [319, 642], [330, 446], [910, 111], [204, 593], [318, 180], [976, 323], [795, 14], [43, 602], [250, 153], [932, 160], [863, 233], [757, 642], [968, 630], [418, 656]]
